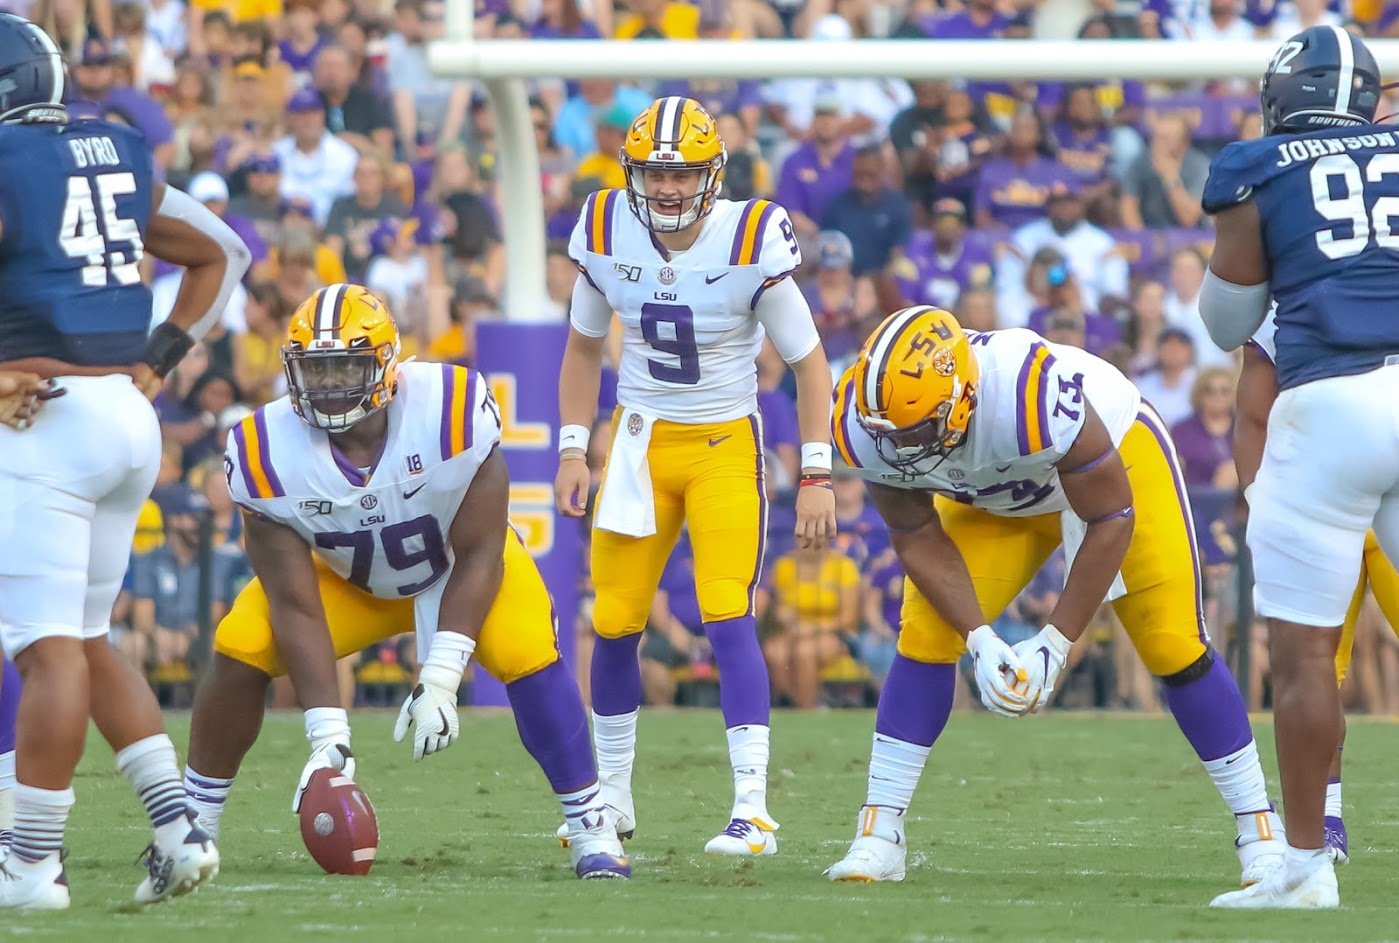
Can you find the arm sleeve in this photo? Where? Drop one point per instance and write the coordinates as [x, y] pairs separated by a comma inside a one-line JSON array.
[[176, 204], [589, 313], [783, 312]]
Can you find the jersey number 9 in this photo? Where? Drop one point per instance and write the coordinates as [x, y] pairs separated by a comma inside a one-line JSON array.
[[87, 234], [680, 321]]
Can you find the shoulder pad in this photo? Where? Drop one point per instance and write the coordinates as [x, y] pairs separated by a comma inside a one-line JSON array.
[[1235, 171]]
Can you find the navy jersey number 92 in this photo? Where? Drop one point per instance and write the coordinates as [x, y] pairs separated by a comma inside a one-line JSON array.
[[74, 202], [1328, 208]]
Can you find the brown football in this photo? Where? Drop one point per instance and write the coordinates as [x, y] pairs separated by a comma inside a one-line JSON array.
[[338, 824]]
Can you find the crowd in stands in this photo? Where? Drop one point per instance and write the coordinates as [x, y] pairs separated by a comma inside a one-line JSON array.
[[315, 128]]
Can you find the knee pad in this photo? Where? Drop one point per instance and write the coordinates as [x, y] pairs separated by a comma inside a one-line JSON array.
[[722, 599], [1194, 671], [615, 618]]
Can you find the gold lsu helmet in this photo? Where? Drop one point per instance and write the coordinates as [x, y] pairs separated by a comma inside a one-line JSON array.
[[915, 386], [674, 133], [341, 357]]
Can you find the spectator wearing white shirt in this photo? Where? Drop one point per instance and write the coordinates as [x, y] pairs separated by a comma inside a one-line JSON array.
[[1182, 306], [1168, 386], [1223, 23], [1090, 253], [398, 272], [1294, 17], [316, 165]]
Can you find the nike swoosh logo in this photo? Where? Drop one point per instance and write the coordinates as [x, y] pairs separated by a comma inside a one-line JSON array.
[[409, 494], [1002, 468], [711, 279], [756, 847], [716, 441], [446, 730]]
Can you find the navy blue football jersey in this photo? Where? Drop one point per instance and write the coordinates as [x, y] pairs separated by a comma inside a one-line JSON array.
[[1328, 202], [74, 202]]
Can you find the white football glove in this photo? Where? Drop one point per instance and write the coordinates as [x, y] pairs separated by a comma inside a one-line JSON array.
[[431, 709], [998, 673], [1044, 656], [328, 729]]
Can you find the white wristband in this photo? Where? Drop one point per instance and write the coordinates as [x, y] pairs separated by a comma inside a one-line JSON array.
[[323, 722], [574, 436], [1056, 640], [816, 455], [447, 659]]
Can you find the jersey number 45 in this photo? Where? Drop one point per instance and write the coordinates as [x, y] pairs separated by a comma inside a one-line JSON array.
[[88, 234]]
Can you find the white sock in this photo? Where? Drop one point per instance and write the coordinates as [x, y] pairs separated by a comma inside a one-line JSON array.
[[150, 766], [41, 816], [614, 738], [7, 798], [582, 810], [1333, 799], [749, 750], [206, 796], [1302, 861], [1239, 779], [895, 767]]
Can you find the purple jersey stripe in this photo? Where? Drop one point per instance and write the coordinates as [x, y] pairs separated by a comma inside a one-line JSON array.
[[1148, 417], [241, 444], [1022, 430], [768, 210], [755, 421], [608, 202], [265, 454], [1043, 411], [590, 209], [449, 385], [468, 413], [739, 230]]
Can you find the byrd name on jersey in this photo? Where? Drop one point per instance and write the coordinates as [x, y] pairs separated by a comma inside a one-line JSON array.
[[1029, 411], [385, 529], [688, 319]]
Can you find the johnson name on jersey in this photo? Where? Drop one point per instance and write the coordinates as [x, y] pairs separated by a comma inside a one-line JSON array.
[[1029, 411], [687, 318], [1325, 203], [385, 530]]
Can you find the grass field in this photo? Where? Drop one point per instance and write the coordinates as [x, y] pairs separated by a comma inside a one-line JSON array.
[[1062, 827]]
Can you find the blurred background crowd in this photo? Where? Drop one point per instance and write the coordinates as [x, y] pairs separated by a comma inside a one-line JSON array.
[[315, 128]]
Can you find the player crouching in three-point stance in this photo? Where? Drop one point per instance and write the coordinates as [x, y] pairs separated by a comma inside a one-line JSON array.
[[375, 504], [79, 208], [985, 452], [1303, 216], [695, 281]]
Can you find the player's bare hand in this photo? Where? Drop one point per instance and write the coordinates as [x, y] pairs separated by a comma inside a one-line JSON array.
[[21, 397], [571, 487], [816, 516], [146, 381]]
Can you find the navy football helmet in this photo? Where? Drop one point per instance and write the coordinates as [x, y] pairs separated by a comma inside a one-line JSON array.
[[32, 75], [1324, 77]]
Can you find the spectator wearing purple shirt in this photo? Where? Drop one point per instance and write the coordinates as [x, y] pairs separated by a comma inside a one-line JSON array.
[[781, 435], [1082, 143], [1204, 441], [95, 79], [873, 215], [831, 295], [1013, 190], [562, 19], [1064, 320], [861, 533], [817, 171], [883, 592], [978, 20], [944, 263], [303, 41]]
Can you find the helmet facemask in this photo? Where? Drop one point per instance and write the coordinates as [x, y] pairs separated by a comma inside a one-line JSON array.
[[334, 389], [907, 449], [692, 209]]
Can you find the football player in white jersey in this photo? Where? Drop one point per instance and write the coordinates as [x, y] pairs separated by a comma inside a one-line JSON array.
[[1258, 389], [696, 282], [984, 452], [375, 504]]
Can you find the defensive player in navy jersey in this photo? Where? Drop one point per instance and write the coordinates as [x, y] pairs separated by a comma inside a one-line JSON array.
[[79, 207], [1305, 215]]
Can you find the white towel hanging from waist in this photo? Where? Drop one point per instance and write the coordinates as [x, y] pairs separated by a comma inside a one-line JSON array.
[[627, 505]]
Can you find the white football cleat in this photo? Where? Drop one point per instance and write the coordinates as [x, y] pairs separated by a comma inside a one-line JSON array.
[[879, 851], [175, 869], [1285, 889], [751, 833], [37, 885], [1260, 846], [597, 854], [620, 808]]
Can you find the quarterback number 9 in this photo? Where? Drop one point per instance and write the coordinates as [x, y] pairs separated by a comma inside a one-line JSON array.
[[789, 235], [680, 323]]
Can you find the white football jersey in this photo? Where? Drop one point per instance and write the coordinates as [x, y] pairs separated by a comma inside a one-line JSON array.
[[386, 531], [1029, 411], [1266, 336], [690, 335]]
